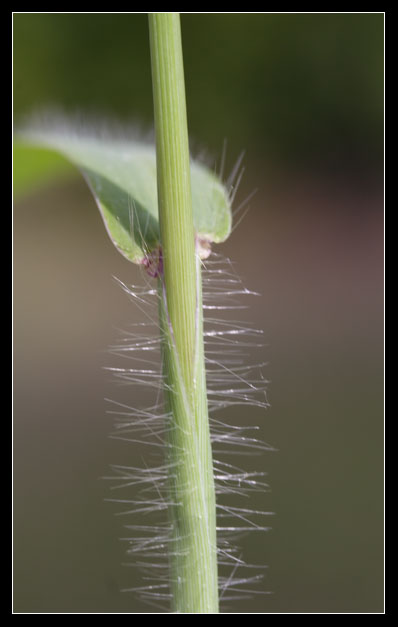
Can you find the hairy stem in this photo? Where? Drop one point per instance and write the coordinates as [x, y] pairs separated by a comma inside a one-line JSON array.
[[193, 558]]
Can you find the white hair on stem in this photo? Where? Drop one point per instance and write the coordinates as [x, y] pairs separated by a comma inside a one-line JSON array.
[[231, 381]]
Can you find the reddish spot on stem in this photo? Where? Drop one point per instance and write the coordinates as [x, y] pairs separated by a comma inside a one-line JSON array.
[[153, 263]]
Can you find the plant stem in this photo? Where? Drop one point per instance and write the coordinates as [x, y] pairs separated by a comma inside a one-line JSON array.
[[193, 554]]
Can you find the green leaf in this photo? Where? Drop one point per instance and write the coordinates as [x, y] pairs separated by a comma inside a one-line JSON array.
[[122, 178], [34, 168]]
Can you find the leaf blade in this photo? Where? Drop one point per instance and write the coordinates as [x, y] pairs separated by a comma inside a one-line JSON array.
[[122, 179]]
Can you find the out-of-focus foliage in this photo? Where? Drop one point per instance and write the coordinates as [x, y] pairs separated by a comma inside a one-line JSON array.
[[304, 88], [34, 168]]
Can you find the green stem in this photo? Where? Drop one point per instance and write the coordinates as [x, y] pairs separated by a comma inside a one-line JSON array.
[[193, 556]]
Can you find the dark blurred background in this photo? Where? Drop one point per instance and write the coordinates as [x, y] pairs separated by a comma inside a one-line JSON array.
[[302, 94]]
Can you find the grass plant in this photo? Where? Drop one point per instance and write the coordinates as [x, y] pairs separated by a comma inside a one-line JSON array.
[[193, 552], [164, 211]]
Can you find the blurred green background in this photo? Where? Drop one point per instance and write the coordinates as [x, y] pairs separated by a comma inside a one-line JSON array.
[[302, 94]]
